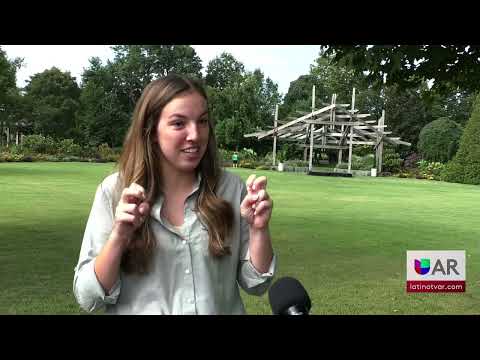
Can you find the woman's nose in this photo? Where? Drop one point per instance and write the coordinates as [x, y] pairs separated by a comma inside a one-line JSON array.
[[192, 132]]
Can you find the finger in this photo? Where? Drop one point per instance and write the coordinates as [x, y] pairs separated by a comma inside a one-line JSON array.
[[128, 208], [126, 218], [132, 195], [250, 180], [137, 187], [262, 195], [144, 208], [249, 200], [263, 206], [260, 183]]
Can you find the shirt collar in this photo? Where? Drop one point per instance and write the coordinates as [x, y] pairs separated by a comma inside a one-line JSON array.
[[190, 200]]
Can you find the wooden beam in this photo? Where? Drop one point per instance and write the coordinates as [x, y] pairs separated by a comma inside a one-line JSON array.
[[324, 146], [379, 150], [358, 116], [364, 127], [312, 129], [351, 135], [275, 124], [323, 122], [254, 134], [341, 134], [303, 118]]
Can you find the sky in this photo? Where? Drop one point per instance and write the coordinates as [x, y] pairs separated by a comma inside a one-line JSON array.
[[281, 63]]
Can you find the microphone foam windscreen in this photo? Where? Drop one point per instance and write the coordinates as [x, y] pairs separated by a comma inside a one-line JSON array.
[[286, 292]]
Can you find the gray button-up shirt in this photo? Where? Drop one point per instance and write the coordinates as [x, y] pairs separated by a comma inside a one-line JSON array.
[[185, 278]]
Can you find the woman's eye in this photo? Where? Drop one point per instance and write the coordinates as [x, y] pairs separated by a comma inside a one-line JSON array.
[[177, 124], [203, 121]]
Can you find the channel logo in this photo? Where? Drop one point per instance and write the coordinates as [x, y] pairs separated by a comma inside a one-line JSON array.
[[436, 271], [422, 266]]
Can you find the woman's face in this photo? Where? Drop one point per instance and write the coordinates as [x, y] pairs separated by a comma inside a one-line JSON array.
[[182, 133]]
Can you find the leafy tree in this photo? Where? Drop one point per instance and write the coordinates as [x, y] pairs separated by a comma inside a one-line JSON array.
[[8, 71], [438, 140], [407, 66], [110, 91], [298, 97], [465, 166], [103, 116], [9, 94], [135, 66], [52, 97], [455, 105], [223, 71], [330, 78], [405, 114], [243, 107]]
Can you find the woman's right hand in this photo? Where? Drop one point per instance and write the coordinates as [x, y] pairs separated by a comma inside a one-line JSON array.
[[130, 214]]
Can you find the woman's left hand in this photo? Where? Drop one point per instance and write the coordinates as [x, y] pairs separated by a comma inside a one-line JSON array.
[[257, 206]]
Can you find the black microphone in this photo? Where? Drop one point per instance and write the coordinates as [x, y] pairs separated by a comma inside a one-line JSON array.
[[288, 297]]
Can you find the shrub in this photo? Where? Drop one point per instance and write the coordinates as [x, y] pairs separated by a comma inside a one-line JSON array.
[[391, 161], [296, 163], [430, 170], [225, 155], [362, 150], [89, 152], [438, 140], [359, 162], [9, 157], [263, 167], [247, 164], [411, 161], [67, 147], [465, 166], [106, 153], [44, 157], [248, 154], [39, 144], [268, 158], [407, 174]]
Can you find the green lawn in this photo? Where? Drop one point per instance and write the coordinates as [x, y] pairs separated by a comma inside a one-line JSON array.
[[345, 239]]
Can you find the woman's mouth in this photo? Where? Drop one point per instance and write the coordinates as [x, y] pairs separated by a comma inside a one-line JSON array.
[[192, 150]]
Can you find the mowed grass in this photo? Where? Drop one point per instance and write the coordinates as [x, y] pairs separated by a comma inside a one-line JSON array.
[[345, 239]]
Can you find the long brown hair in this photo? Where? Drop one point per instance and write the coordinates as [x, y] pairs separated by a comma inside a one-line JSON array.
[[139, 163]]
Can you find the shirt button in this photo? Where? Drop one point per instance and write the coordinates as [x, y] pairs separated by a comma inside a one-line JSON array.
[[187, 271], [184, 242]]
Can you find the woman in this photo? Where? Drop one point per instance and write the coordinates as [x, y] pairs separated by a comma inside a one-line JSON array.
[[171, 232]]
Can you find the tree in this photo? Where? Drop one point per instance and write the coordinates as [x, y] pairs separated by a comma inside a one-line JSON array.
[[405, 114], [407, 66], [455, 105], [330, 78], [465, 166], [102, 116], [135, 66], [298, 97], [110, 91], [438, 140], [53, 96], [7, 77], [9, 93], [242, 107], [223, 71]]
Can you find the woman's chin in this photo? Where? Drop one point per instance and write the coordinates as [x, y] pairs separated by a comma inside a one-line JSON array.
[[187, 166]]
